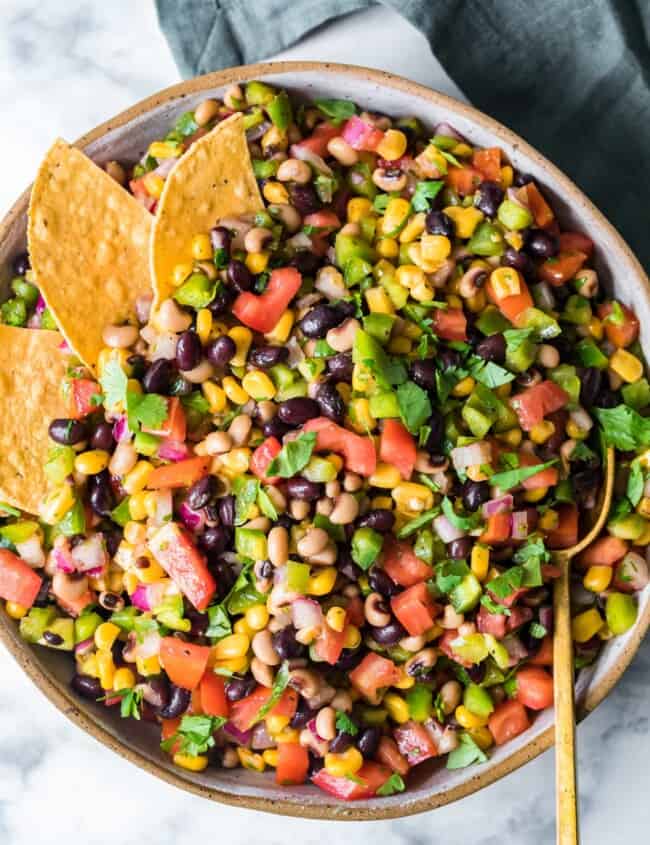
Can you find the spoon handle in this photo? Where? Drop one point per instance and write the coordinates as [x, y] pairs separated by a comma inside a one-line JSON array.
[[565, 760]]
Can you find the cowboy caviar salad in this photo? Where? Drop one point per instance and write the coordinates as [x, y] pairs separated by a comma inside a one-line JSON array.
[[300, 511]]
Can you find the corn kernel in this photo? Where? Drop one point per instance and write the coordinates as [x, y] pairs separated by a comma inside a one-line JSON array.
[[270, 757], [234, 391], [148, 665], [336, 618], [236, 665], [275, 193], [105, 669], [512, 437], [549, 521], [464, 387], [595, 328], [180, 273], [386, 476], [397, 708], [392, 145], [413, 229], [352, 636], [276, 138], [575, 432], [287, 735], [105, 635], [505, 281], [258, 385], [410, 276], [215, 396], [361, 419], [482, 737], [399, 346], [397, 211], [251, 760], [475, 473], [435, 247], [135, 533], [626, 365], [15, 610], [378, 301], [241, 626], [257, 262], [480, 561], [275, 724], [467, 719], [88, 666], [597, 578], [465, 219], [234, 645], [323, 582], [541, 432], [163, 149], [586, 625], [535, 495], [136, 480], [643, 507], [507, 176], [411, 331], [137, 506], [387, 248], [154, 184], [358, 208], [150, 574], [454, 301], [243, 338], [91, 462], [236, 461], [504, 390], [412, 497], [282, 328], [422, 293], [131, 581], [257, 617], [191, 763], [476, 304], [344, 764], [204, 324], [123, 679], [405, 681], [57, 504], [201, 247]]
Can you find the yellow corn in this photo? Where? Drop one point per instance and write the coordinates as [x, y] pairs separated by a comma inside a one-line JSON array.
[[413, 228], [541, 432], [467, 719], [643, 507], [346, 763], [135, 533], [435, 248], [549, 521], [88, 666], [514, 239], [626, 365], [215, 396], [382, 503], [387, 248], [476, 304], [270, 757], [15, 610], [352, 636], [234, 645], [163, 149], [258, 385], [397, 210], [512, 437], [358, 208], [336, 461], [575, 432], [251, 760], [131, 581], [397, 708], [410, 330], [482, 737], [383, 270], [204, 324], [505, 281], [586, 625], [236, 665], [422, 293], [400, 346], [480, 561], [105, 635], [257, 262], [336, 618], [91, 462], [236, 461], [275, 724], [123, 679], [595, 328], [287, 735], [257, 617], [276, 193], [392, 145], [405, 680], [201, 247], [412, 497], [234, 391], [465, 219], [154, 184], [105, 669], [148, 665], [464, 387], [644, 538], [243, 338], [181, 272], [242, 627], [57, 504], [323, 582], [282, 328], [361, 419], [137, 506], [386, 476], [410, 276], [192, 764], [507, 175], [475, 473], [378, 301], [535, 495], [597, 578], [275, 137], [136, 480], [150, 574]]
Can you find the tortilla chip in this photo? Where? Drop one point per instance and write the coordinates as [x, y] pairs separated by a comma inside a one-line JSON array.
[[88, 244], [32, 366], [213, 180]]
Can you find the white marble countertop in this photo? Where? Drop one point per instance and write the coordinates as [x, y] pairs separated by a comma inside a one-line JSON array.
[[66, 65]]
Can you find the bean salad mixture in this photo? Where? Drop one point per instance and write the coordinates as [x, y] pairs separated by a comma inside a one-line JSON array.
[[302, 518]]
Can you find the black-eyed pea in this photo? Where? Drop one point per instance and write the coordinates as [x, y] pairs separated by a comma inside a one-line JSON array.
[[218, 443], [199, 374], [262, 672], [412, 644], [266, 410], [262, 646], [306, 682], [233, 97], [450, 696], [376, 611], [171, 318], [299, 509], [309, 740], [342, 701], [256, 237], [332, 489], [326, 557], [466, 629], [119, 337], [260, 523], [240, 429], [450, 619], [287, 214], [206, 111], [314, 541], [277, 498], [294, 170], [346, 509], [229, 758], [352, 482], [342, 151], [385, 181], [324, 506], [326, 723], [341, 338]]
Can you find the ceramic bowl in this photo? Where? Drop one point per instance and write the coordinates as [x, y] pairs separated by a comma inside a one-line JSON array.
[[126, 137]]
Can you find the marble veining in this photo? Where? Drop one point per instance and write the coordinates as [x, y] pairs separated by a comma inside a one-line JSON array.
[[66, 65]]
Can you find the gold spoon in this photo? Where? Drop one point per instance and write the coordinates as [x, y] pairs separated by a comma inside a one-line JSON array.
[[563, 675]]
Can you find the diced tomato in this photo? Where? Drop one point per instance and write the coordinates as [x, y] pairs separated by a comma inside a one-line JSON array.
[[534, 403], [140, 192], [444, 644], [329, 645], [179, 474], [169, 727], [261, 312], [83, 395], [576, 241], [243, 713], [565, 534], [354, 610], [185, 663], [534, 687], [415, 609], [508, 721], [293, 763], [213, 695], [605, 551], [18, 581], [488, 163], [450, 324], [463, 180], [512, 306], [415, 742], [175, 426], [491, 623], [372, 675], [497, 529], [358, 452], [75, 607], [320, 138], [262, 457], [402, 565], [540, 209], [361, 135], [562, 267], [184, 563], [622, 334], [546, 478], [512, 598], [370, 777], [397, 447], [325, 221], [544, 656]]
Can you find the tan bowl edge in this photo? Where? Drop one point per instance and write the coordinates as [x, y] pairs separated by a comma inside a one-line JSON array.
[[63, 699]]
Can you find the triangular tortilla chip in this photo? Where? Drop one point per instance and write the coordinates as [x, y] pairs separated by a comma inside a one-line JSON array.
[[213, 180], [32, 366], [88, 245]]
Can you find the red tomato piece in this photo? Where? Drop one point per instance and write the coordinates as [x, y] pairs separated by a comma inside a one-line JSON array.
[[175, 426], [415, 742], [243, 713], [293, 763], [397, 447], [491, 623], [374, 673], [361, 135], [354, 611], [179, 474], [497, 529], [488, 163], [261, 312], [74, 607], [329, 644], [572, 241], [184, 564], [512, 307], [546, 478], [262, 457], [325, 221], [622, 334], [605, 551], [169, 727], [370, 777], [562, 267], [140, 192], [544, 656], [444, 644], [213, 695], [508, 721], [540, 209], [518, 616], [534, 687], [565, 534], [320, 138], [82, 397], [18, 581], [534, 403], [185, 663], [450, 324], [415, 609], [402, 565], [463, 180], [358, 452]]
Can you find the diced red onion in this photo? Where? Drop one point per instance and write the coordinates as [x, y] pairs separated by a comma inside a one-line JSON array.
[[519, 525], [500, 505], [140, 597], [516, 649], [173, 450], [356, 131], [260, 738], [121, 429], [306, 613], [149, 647], [164, 506], [31, 551], [257, 132], [34, 322], [64, 346], [473, 455], [41, 305], [240, 737], [194, 520], [63, 561], [305, 154], [544, 296], [163, 346], [445, 530], [311, 725], [84, 647], [516, 195], [448, 130], [299, 241], [444, 737], [90, 554], [165, 167], [634, 570], [546, 617], [296, 355]]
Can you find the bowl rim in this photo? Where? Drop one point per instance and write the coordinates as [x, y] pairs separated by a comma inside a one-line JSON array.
[[62, 698]]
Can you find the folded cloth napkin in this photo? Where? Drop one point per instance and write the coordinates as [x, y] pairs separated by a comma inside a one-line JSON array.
[[572, 78]]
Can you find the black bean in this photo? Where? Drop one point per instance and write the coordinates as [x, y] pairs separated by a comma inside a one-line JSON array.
[[102, 437], [349, 659], [188, 351], [220, 238], [520, 179], [158, 377], [158, 691], [304, 714], [222, 301], [215, 539], [286, 644], [330, 402], [541, 244], [347, 566], [347, 308], [546, 617], [475, 494], [199, 622], [201, 492], [317, 322], [304, 198], [138, 364], [607, 398], [388, 634], [300, 488], [379, 519], [476, 672], [239, 276], [434, 441], [520, 261], [87, 686], [315, 765], [238, 688], [438, 223], [341, 742], [423, 373], [340, 366], [368, 742], [590, 384], [488, 198], [448, 358], [223, 574], [380, 582], [227, 510], [298, 411], [21, 264], [221, 350], [275, 428], [305, 262], [284, 521], [493, 348], [68, 432], [266, 357], [51, 638], [100, 493], [42, 597], [112, 538], [179, 701], [460, 548]]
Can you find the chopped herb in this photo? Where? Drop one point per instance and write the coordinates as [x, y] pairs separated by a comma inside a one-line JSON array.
[[219, 622], [322, 349], [449, 574], [336, 110], [463, 523], [246, 490], [148, 410], [489, 373], [624, 428], [414, 405], [493, 607], [195, 734], [293, 457], [393, 785], [515, 337], [279, 685], [439, 708], [114, 383], [344, 723], [425, 193], [266, 505], [635, 483], [512, 478], [418, 522], [466, 754]]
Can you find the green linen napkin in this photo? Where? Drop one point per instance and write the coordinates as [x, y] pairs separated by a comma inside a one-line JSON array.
[[573, 78]]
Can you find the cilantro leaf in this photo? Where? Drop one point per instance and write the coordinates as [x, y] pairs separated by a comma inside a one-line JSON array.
[[425, 193], [246, 491], [463, 523], [266, 505], [114, 382], [219, 624], [439, 709], [293, 456], [466, 753], [195, 734], [414, 405], [344, 723], [336, 110], [635, 483], [393, 785], [513, 477], [148, 410], [418, 522], [515, 337], [131, 699], [368, 352], [534, 549], [528, 574], [279, 685], [489, 373], [449, 574], [624, 428], [493, 607]]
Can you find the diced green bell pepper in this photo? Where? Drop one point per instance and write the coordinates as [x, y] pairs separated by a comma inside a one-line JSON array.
[[62, 628], [86, 625], [566, 376], [25, 290], [589, 355], [292, 391], [297, 577], [544, 326], [282, 376], [486, 240], [466, 595], [359, 179], [366, 545], [397, 293], [170, 613], [259, 93], [420, 702], [471, 647], [621, 612], [319, 470], [250, 543], [121, 514], [491, 321], [265, 168], [14, 312], [280, 111], [145, 443], [480, 410], [424, 545], [379, 326], [18, 532], [577, 310], [60, 464], [37, 620], [74, 522], [355, 270], [522, 356], [196, 292], [384, 405], [311, 368], [478, 701], [48, 321], [497, 651], [514, 216], [347, 247], [628, 527], [637, 394]]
